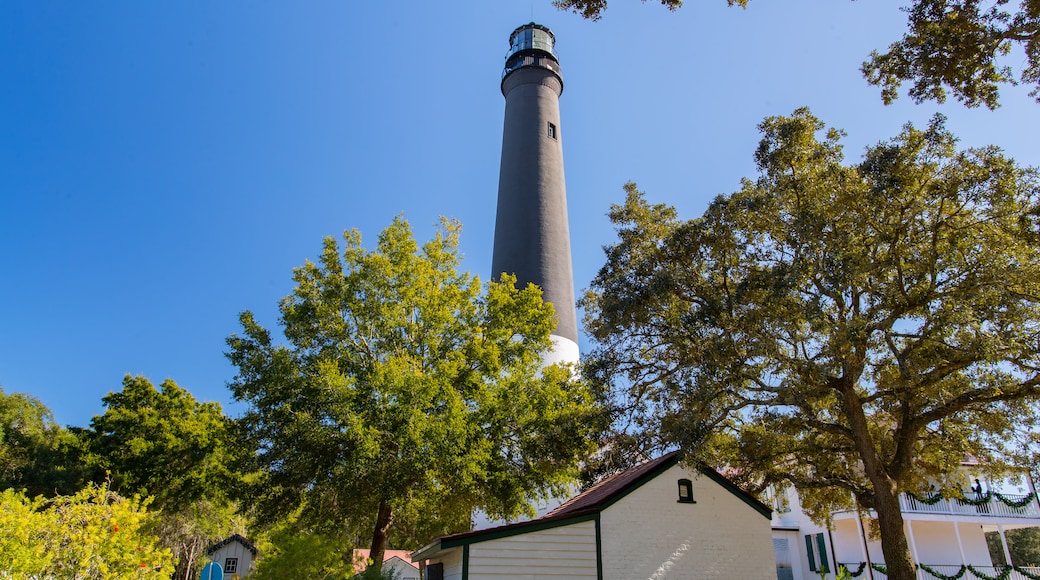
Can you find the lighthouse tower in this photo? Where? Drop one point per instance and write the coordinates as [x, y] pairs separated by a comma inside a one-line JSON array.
[[532, 240]]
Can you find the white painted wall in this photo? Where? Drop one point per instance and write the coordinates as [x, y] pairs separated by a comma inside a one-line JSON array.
[[563, 553], [848, 545], [452, 561], [976, 552], [234, 550], [404, 570], [649, 535]]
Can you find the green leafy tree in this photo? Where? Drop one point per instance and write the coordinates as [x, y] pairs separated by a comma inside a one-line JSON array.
[[960, 46], [190, 530], [593, 9], [856, 330], [36, 454], [293, 550], [406, 397], [23, 548], [92, 534], [1024, 546], [164, 443], [963, 47]]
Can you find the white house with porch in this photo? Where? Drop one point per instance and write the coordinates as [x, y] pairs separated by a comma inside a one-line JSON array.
[[946, 535], [657, 520]]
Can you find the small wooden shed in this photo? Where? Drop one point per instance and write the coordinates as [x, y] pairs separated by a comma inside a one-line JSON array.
[[657, 520], [235, 555]]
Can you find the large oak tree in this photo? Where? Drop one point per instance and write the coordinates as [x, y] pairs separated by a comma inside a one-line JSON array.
[[963, 47], [406, 395], [855, 330]]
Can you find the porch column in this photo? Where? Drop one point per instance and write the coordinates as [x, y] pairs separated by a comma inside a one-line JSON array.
[[1003, 544], [960, 544], [866, 548], [913, 548]]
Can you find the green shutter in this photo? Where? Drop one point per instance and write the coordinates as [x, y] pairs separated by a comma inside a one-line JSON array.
[[809, 551], [822, 543]]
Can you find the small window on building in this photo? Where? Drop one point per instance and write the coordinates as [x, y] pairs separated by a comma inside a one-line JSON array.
[[777, 496], [230, 565], [686, 491], [552, 130], [435, 571]]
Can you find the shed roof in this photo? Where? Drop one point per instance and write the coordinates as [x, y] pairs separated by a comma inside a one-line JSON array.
[[588, 504], [232, 538]]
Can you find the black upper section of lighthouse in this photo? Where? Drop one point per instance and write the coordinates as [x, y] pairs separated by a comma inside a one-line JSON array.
[[532, 45], [532, 239]]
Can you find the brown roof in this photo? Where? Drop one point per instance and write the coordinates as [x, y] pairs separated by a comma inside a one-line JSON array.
[[590, 502], [607, 489]]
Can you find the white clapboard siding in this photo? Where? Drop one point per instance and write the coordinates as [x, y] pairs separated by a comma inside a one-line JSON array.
[[563, 553], [649, 534], [233, 550], [452, 561]]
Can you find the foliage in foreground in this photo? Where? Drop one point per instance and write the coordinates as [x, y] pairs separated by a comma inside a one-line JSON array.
[[165, 444], [963, 47], [92, 534], [407, 394], [291, 550], [856, 330]]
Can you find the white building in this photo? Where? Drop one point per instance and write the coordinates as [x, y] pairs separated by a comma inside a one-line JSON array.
[[235, 555], [657, 520], [945, 535], [396, 560]]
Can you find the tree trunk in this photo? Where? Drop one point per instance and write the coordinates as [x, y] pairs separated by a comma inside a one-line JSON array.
[[379, 537], [898, 562], [893, 539]]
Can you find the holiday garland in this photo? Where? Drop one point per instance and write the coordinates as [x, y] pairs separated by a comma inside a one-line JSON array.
[[980, 500], [1004, 574], [932, 500], [1016, 504], [942, 576], [858, 572]]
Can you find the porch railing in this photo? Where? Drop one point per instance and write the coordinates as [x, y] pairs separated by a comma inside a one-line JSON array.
[[997, 506], [940, 571]]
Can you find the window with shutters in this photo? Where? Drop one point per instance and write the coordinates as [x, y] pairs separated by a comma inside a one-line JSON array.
[[816, 549]]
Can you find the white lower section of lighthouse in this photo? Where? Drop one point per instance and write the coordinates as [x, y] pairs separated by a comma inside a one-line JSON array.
[[564, 350]]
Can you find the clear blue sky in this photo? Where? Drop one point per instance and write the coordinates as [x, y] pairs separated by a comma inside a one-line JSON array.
[[164, 165]]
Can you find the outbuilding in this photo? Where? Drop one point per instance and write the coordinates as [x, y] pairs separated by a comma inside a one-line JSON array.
[[235, 554], [657, 520]]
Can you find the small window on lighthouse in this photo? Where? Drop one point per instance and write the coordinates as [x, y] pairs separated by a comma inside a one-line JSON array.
[[552, 130]]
